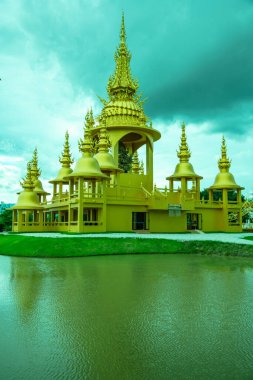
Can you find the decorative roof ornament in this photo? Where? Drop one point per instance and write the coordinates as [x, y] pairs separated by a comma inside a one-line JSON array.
[[92, 121], [89, 119], [135, 163], [35, 174], [35, 170], [28, 198], [87, 166], [85, 144], [103, 143], [66, 160], [104, 157], [224, 163], [124, 106], [224, 179], [121, 85], [184, 153], [27, 182], [184, 168]]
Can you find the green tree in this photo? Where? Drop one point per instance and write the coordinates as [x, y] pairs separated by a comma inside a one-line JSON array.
[[125, 159], [232, 195]]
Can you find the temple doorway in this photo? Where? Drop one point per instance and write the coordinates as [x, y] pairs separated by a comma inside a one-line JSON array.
[[194, 221], [139, 221]]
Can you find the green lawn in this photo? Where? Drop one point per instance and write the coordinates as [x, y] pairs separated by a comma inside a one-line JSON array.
[[20, 245], [248, 238]]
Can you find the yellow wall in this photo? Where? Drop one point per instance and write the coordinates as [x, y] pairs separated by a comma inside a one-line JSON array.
[[160, 221], [119, 218]]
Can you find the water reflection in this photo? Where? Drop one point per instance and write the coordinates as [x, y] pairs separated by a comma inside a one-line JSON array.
[[128, 317]]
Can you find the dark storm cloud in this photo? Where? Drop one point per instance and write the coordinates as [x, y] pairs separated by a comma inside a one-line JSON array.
[[221, 84], [192, 58]]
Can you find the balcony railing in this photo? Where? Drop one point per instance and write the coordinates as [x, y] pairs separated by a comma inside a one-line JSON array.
[[208, 204]]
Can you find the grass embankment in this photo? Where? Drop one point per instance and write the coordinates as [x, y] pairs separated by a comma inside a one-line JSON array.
[[15, 245]]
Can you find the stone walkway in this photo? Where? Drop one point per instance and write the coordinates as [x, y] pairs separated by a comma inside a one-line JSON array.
[[222, 237]]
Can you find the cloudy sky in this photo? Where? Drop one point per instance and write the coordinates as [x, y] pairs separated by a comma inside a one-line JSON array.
[[193, 60]]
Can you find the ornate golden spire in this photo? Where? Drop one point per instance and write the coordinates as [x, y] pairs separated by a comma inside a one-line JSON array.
[[35, 171], [184, 168], [85, 145], [89, 120], [135, 164], [103, 143], [87, 166], [121, 85], [35, 174], [122, 30], [92, 121], [184, 153], [27, 182], [224, 179], [104, 157], [28, 198], [224, 163], [66, 160]]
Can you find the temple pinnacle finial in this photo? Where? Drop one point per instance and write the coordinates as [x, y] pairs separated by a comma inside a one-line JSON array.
[[135, 163], [184, 153], [121, 85], [27, 182], [66, 159], [35, 171], [103, 143], [85, 145], [123, 30], [224, 179], [89, 119], [224, 162], [223, 148]]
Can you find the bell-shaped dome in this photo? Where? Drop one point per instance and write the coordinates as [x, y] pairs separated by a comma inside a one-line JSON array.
[[184, 168], [224, 179], [28, 198], [66, 160], [103, 157], [38, 188], [106, 162], [62, 173], [87, 166]]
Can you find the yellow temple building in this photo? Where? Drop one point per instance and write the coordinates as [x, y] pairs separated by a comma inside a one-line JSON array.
[[108, 190]]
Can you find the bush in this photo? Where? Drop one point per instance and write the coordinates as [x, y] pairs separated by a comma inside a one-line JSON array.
[[6, 220]]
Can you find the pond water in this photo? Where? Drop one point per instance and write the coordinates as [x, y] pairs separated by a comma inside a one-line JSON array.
[[126, 317]]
